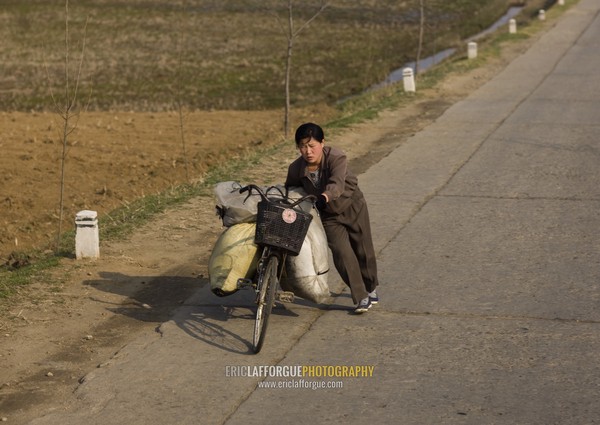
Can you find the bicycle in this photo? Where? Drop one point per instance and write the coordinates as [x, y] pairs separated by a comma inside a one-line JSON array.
[[281, 227]]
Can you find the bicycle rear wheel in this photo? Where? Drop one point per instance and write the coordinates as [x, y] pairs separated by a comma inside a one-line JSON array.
[[266, 298]]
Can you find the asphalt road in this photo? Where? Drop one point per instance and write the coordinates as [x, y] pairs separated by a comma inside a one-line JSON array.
[[487, 225]]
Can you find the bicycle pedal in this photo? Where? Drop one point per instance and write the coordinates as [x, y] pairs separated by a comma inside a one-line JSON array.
[[244, 283], [285, 296]]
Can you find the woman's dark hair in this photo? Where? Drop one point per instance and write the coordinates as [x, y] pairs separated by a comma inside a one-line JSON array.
[[309, 131]]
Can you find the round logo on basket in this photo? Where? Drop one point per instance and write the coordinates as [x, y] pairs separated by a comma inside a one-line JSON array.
[[289, 215]]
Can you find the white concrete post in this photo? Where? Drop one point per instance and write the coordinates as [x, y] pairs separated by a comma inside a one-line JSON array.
[[561, 2], [472, 50], [87, 240], [542, 15], [409, 80], [512, 26]]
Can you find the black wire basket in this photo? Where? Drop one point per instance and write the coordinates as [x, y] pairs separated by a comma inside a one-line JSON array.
[[281, 226]]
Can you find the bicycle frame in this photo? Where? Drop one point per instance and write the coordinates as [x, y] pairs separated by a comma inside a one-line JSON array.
[[267, 252], [269, 271]]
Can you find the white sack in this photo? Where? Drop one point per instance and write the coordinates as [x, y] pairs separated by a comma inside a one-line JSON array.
[[294, 194], [306, 273], [234, 207]]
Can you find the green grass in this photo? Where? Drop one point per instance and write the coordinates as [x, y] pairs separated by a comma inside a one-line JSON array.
[[37, 269]]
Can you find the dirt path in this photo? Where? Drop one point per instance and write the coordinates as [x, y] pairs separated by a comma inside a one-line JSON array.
[[52, 337]]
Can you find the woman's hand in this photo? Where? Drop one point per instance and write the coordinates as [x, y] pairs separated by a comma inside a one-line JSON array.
[[322, 200]]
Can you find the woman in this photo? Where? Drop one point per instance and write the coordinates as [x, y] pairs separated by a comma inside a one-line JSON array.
[[323, 171]]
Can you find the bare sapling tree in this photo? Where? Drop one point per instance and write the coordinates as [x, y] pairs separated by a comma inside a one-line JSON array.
[[291, 34], [67, 108], [179, 87], [181, 115]]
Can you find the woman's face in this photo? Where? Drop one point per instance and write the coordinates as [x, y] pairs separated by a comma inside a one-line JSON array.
[[312, 151]]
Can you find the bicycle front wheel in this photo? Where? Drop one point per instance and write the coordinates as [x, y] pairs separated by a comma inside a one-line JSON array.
[[266, 298]]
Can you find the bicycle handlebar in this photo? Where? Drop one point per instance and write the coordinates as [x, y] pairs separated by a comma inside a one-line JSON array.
[[249, 188]]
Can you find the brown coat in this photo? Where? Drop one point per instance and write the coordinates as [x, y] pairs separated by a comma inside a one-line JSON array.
[[337, 181]]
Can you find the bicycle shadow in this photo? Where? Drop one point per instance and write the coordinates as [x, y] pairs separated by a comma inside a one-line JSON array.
[[226, 323], [204, 324], [222, 322]]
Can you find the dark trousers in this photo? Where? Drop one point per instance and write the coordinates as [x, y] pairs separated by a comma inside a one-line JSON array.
[[350, 241]]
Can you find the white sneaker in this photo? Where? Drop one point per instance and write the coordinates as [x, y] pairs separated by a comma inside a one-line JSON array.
[[373, 297], [363, 306]]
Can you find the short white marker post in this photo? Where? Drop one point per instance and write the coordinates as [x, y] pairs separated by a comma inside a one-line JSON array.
[[409, 80], [561, 2], [542, 15], [472, 50], [512, 26], [87, 240]]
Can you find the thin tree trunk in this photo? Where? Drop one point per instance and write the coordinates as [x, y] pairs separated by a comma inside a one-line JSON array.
[[182, 135], [291, 34], [288, 68], [179, 97], [67, 114], [421, 33]]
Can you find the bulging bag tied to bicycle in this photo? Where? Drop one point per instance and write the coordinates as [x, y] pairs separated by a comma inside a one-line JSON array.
[[234, 257], [306, 273], [234, 207]]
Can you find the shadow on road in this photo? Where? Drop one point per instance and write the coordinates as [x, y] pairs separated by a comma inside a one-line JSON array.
[[206, 317], [149, 298], [206, 325]]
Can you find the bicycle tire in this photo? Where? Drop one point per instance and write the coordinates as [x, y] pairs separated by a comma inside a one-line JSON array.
[[266, 299]]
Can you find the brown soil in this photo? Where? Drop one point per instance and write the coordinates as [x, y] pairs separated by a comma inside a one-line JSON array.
[[111, 158], [52, 335]]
